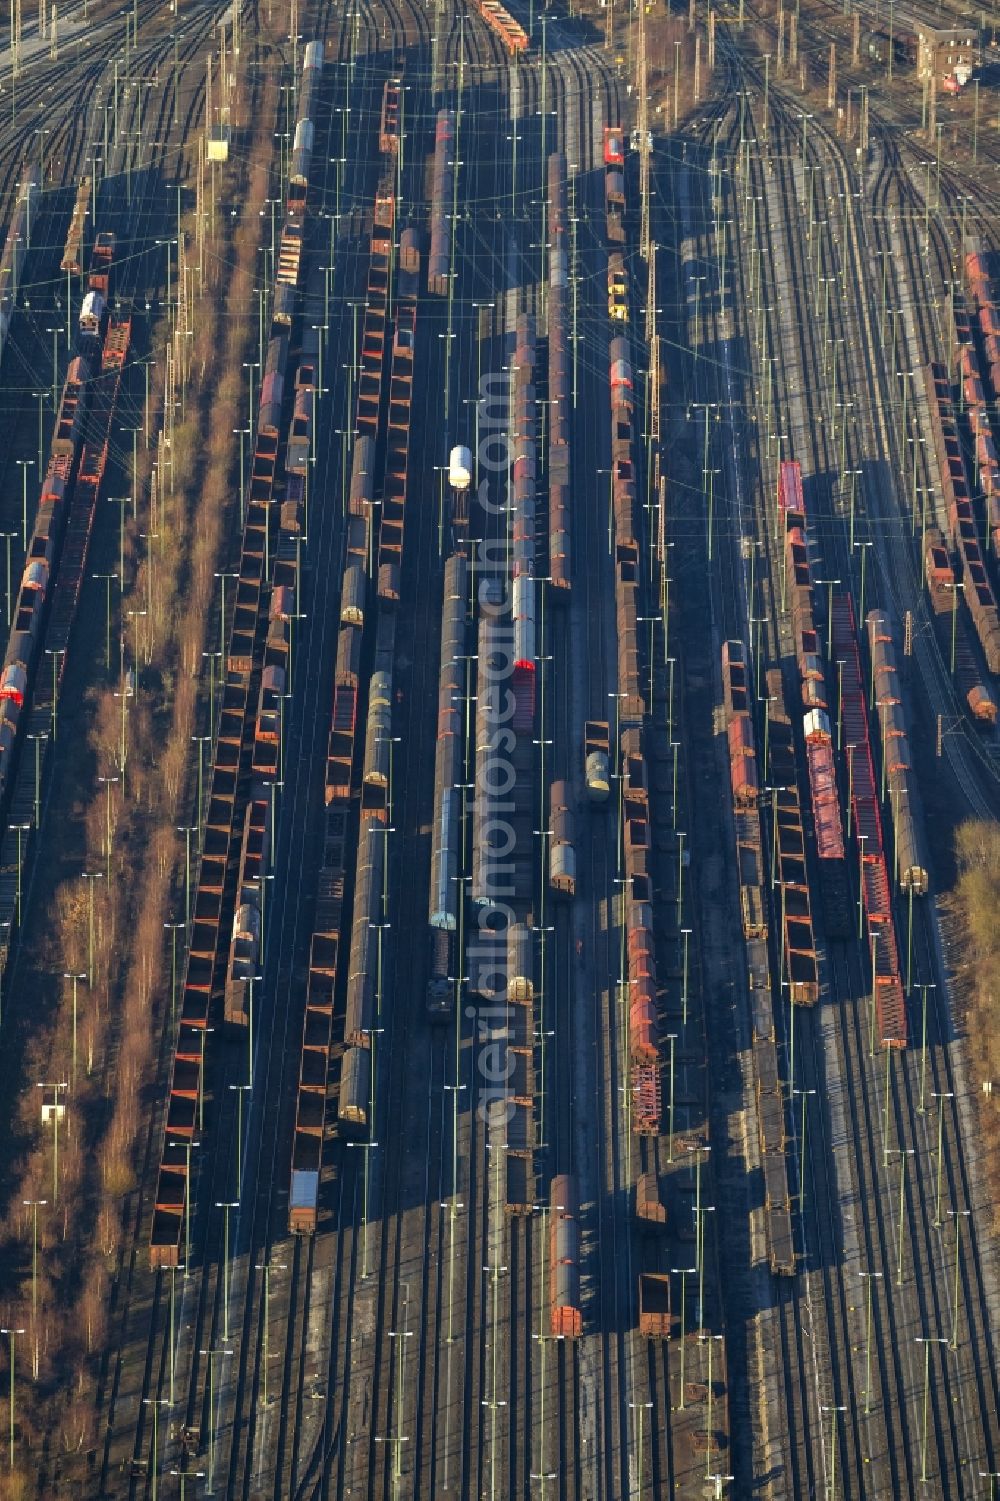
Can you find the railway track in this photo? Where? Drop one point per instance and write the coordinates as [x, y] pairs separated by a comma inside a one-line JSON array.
[[849, 979], [403, 1363], [800, 1315], [123, 210], [564, 1366], [162, 1366], [285, 1454], [897, 211], [913, 1136], [70, 99]]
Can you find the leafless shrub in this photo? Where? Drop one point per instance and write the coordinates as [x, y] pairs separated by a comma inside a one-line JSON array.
[[972, 910], [117, 922]]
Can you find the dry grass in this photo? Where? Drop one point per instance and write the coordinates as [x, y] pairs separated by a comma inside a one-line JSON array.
[[973, 908], [127, 831]]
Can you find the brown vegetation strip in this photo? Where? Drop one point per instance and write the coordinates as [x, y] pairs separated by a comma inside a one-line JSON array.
[[125, 829], [974, 910]]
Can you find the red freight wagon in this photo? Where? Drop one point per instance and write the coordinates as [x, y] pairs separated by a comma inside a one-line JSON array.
[[790, 497]]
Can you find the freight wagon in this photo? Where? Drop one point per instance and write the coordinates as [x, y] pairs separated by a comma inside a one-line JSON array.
[[72, 256], [258, 656], [908, 833], [388, 130], [596, 754], [617, 289], [565, 1315], [977, 590], [649, 1210], [867, 824], [562, 851], [559, 378], [614, 204], [500, 20], [791, 502], [442, 193], [654, 1305]]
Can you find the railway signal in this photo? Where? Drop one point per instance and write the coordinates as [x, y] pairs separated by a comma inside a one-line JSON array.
[[869, 1278], [639, 1408], [155, 1403], [804, 1093], [267, 1267], [671, 1037], [831, 1483], [958, 1215], [226, 1205], [52, 1114], [11, 1333], [926, 1341], [683, 1272], [184, 1476], [903, 1153], [75, 978], [173, 928], [34, 1205], [940, 1097], [212, 1353]]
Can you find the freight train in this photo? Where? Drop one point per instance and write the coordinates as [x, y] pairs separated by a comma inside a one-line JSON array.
[[241, 798], [890, 1005], [643, 1027], [446, 830], [368, 558], [614, 222], [977, 591], [744, 781], [908, 834], [296, 201], [978, 359], [72, 256], [565, 1315], [817, 734], [373, 555], [30, 604], [241, 802], [500, 20], [442, 202], [511, 1131], [559, 457], [953, 629], [524, 473], [14, 251], [798, 965]]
